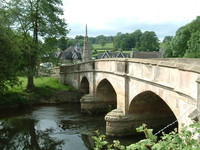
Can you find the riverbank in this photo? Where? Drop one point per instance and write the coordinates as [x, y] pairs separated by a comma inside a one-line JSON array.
[[47, 91]]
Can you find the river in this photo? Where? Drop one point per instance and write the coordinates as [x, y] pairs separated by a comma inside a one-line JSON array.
[[50, 127]]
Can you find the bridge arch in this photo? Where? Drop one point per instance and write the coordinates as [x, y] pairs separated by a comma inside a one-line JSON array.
[[149, 108], [106, 92], [84, 86]]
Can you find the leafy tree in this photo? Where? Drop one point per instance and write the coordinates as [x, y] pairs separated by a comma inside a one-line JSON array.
[[79, 40], [136, 35], [193, 46], [193, 43], [35, 19], [124, 41], [186, 41], [102, 42], [179, 42], [167, 39], [62, 43], [149, 42], [166, 46], [117, 40], [9, 56]]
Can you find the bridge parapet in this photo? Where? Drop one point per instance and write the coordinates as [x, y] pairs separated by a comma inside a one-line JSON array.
[[176, 74]]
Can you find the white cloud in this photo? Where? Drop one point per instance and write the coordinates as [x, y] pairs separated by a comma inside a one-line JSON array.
[[114, 15]]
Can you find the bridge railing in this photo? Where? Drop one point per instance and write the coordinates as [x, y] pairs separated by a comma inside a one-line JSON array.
[[177, 74]]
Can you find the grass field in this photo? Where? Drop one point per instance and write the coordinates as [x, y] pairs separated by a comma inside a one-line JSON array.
[[106, 46]]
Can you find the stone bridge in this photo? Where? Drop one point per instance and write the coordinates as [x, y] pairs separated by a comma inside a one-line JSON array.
[[135, 91]]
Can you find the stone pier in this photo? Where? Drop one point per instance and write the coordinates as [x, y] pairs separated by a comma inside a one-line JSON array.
[[91, 104]]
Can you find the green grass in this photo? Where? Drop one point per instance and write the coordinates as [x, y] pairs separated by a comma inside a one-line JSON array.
[[45, 87], [40, 82], [99, 46]]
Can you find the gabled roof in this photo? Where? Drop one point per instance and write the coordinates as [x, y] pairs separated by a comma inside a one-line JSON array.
[[108, 54], [76, 55], [74, 49]]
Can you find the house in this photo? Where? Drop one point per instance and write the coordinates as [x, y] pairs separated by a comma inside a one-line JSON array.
[[147, 55], [108, 54], [71, 55]]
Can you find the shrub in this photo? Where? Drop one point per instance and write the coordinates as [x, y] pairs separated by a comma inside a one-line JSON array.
[[186, 139]]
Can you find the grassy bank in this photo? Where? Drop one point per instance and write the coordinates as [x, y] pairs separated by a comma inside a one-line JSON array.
[[45, 87], [42, 83]]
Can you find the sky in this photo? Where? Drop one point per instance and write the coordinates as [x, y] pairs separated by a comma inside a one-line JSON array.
[[108, 17]]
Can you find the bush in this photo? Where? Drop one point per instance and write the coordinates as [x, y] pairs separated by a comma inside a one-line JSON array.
[[186, 139], [11, 98]]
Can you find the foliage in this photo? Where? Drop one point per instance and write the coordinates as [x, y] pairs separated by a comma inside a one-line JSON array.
[[35, 20], [186, 42], [149, 42], [166, 46], [186, 139], [193, 46], [9, 57], [14, 98]]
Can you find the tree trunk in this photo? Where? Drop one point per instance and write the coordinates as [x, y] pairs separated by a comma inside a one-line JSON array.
[[30, 85], [31, 72]]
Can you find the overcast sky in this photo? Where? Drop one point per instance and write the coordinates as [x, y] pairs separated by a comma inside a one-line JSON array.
[[107, 17]]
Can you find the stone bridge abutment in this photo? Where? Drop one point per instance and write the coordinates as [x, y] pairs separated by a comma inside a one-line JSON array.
[[135, 91]]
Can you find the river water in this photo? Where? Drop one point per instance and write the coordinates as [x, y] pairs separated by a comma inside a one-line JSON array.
[[50, 128]]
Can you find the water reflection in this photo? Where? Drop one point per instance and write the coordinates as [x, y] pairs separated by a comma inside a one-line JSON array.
[[50, 128], [21, 134], [47, 127]]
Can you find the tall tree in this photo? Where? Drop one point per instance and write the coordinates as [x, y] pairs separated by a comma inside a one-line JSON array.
[[9, 54], [9, 59], [179, 42], [36, 19], [149, 41], [193, 46], [136, 38]]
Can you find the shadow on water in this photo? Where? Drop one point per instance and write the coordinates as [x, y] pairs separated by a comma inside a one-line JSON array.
[[50, 127]]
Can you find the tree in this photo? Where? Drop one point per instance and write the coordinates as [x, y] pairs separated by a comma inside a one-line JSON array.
[[79, 40], [62, 43], [149, 42], [36, 19], [193, 46], [179, 42], [136, 35], [102, 42], [167, 39], [9, 56], [186, 41]]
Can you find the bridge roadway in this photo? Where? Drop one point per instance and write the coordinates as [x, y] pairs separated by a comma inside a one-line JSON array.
[[135, 91]]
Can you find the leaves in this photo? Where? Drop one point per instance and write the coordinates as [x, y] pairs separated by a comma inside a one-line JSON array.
[[186, 42], [186, 139]]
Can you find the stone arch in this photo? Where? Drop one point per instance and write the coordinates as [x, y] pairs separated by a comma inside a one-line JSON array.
[[105, 91], [149, 108], [84, 86]]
